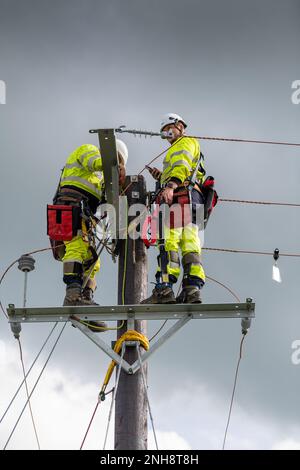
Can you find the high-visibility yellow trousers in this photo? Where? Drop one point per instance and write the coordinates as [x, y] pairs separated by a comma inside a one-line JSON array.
[[77, 253]]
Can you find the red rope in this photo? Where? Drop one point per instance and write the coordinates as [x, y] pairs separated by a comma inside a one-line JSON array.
[[90, 423]]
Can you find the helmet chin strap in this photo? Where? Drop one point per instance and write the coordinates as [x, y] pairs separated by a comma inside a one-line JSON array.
[[178, 128]]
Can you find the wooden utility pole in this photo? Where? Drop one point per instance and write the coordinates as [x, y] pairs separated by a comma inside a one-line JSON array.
[[131, 403]]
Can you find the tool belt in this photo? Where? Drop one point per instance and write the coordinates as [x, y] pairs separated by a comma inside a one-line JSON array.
[[181, 197]]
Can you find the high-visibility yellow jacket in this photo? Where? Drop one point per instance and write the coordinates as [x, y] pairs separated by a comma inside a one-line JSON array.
[[181, 159], [84, 170]]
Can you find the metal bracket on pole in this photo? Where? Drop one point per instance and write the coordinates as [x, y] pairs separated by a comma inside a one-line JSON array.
[[171, 331], [102, 345], [110, 165], [180, 312]]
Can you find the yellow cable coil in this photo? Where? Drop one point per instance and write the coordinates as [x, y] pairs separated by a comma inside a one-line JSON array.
[[130, 335]]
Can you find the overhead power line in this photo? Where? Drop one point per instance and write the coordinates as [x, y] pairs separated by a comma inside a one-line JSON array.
[[28, 398], [28, 372], [246, 141], [34, 387], [234, 388], [267, 203], [135, 132], [269, 253]]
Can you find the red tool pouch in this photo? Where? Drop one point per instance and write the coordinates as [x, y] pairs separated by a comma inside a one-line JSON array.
[[210, 197], [149, 230], [63, 221]]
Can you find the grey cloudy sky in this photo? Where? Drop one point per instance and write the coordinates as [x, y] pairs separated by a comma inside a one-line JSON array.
[[227, 67]]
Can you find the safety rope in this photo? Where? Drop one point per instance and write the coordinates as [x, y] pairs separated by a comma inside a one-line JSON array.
[[233, 391], [95, 327], [27, 393], [34, 387]]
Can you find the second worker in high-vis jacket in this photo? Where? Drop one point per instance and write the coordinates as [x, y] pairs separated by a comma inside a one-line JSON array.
[[180, 161]]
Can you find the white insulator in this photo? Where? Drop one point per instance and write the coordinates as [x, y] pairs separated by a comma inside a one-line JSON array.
[[26, 263]]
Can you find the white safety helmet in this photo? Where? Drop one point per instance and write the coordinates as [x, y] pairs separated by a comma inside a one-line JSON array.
[[122, 149], [171, 118]]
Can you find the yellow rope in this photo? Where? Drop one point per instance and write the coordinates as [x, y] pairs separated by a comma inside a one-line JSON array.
[[130, 335], [94, 327]]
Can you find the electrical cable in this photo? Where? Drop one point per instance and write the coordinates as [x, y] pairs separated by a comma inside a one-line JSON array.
[[27, 393], [165, 321], [233, 391], [225, 287], [114, 394], [28, 372], [117, 328], [34, 387], [247, 141], [89, 425], [12, 264], [266, 203], [136, 132], [268, 253], [211, 279], [146, 391]]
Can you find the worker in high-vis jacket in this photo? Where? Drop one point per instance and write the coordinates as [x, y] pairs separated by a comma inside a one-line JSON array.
[[82, 181], [182, 159]]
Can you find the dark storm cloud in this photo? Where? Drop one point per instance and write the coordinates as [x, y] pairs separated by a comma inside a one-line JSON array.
[[227, 67]]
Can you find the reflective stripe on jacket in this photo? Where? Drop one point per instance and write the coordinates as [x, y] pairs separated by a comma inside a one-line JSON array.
[[84, 170], [181, 159]]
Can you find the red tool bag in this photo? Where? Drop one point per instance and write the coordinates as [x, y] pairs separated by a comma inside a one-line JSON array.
[[150, 229], [210, 197], [63, 221]]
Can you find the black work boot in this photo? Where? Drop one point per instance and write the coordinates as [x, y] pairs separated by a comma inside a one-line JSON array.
[[73, 295], [189, 295], [88, 294], [161, 294], [74, 298], [192, 295]]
